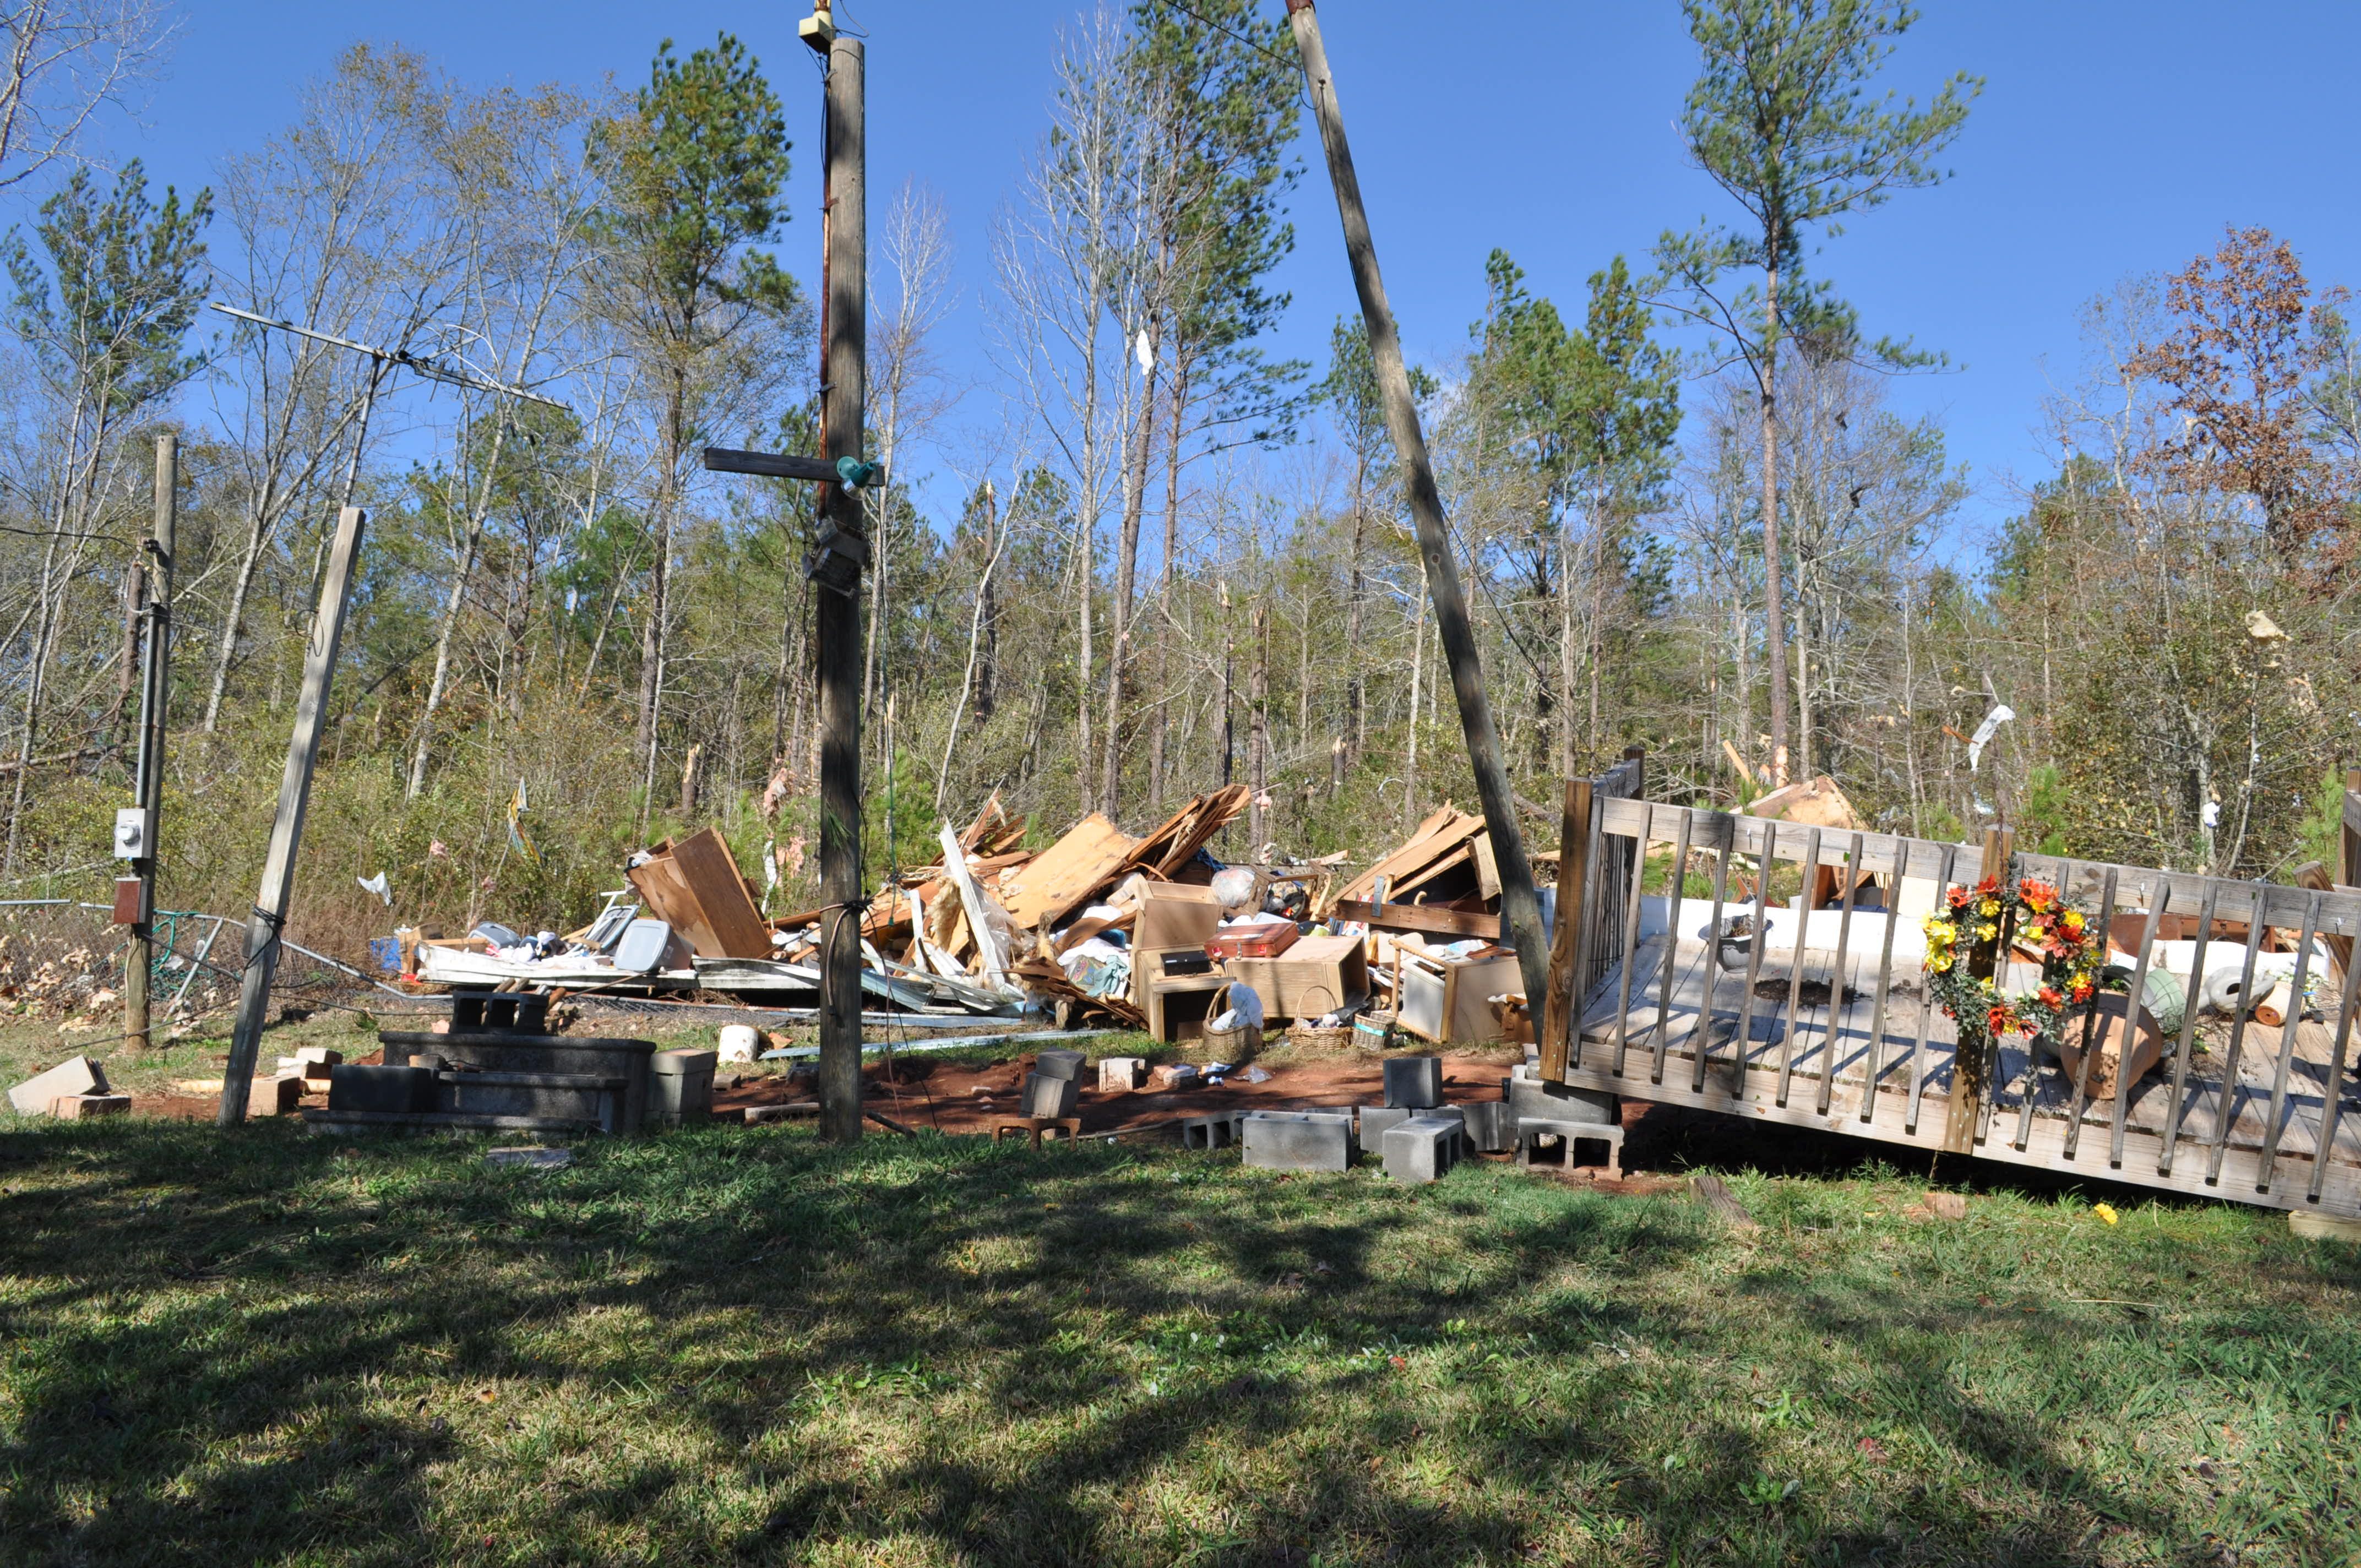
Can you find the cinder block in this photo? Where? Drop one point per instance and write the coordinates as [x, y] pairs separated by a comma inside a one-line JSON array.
[[355, 1087], [1299, 1140], [1422, 1149], [82, 1107], [1531, 1098], [1049, 1096], [1491, 1128], [1065, 1064], [680, 1087], [1377, 1119], [318, 1056], [1217, 1131], [78, 1076], [1413, 1082], [1121, 1075]]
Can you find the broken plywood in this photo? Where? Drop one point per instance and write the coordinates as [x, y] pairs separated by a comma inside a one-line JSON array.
[[694, 887]]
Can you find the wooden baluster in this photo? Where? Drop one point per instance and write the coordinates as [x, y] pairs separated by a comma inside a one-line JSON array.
[[1963, 1108], [1833, 1038], [1631, 938], [1701, 1037], [2090, 1032], [2158, 898], [1745, 1035], [1927, 1008], [2332, 1104], [2174, 1113], [1875, 1060], [2287, 1044], [1678, 885], [2227, 1109], [1794, 1021]]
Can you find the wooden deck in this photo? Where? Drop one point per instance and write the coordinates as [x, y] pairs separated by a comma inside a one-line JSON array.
[[1872, 1058]]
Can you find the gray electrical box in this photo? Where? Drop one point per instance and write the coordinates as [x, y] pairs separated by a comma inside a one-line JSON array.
[[134, 834]]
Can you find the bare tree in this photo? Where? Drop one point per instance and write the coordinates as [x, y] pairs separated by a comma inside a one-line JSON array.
[[64, 60]]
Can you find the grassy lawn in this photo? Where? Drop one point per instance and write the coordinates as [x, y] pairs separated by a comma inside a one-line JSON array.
[[741, 1345]]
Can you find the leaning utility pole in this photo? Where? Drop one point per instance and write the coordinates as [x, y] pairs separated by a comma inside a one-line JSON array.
[[837, 630], [147, 785], [269, 916], [1517, 904]]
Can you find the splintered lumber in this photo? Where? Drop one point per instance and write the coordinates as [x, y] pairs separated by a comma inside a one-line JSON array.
[[694, 886], [1044, 976], [1062, 876], [1441, 836], [972, 898], [1176, 843]]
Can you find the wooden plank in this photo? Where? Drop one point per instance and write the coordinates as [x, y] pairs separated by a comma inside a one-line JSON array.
[[1675, 885], [1710, 973], [1952, 855], [1433, 837], [694, 886], [2089, 1037], [1557, 1043], [1795, 966], [1630, 948], [2122, 1115], [2179, 1106], [2287, 1047], [1837, 1004], [1432, 919], [2225, 1109], [2333, 1093], [1424, 875], [769, 465], [1755, 947], [1062, 874], [2314, 876], [1885, 989]]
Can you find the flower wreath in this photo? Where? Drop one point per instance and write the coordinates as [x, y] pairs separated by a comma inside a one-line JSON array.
[[1967, 934]]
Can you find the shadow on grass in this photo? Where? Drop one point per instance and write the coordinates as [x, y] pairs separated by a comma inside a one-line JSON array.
[[720, 1346]]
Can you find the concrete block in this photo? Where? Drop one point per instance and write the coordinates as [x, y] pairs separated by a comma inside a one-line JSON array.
[[1422, 1148], [1377, 1119], [1534, 1130], [1529, 1097], [1299, 1140], [1218, 1130], [1176, 1075], [1060, 1063], [78, 1076], [1413, 1082], [680, 1087], [1121, 1075], [1049, 1096], [354, 1087], [84, 1107], [1490, 1127], [317, 1056], [280, 1096]]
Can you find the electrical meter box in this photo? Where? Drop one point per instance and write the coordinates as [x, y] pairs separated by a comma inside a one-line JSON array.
[[133, 834]]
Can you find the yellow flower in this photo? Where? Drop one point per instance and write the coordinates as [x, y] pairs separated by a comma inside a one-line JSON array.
[[2105, 1211], [1989, 907], [1939, 962], [1940, 932], [1987, 932], [2073, 920]]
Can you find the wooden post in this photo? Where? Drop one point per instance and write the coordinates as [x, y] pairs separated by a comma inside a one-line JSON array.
[[1964, 1109], [837, 631], [269, 916], [1565, 946], [1518, 902], [147, 782], [2351, 866]]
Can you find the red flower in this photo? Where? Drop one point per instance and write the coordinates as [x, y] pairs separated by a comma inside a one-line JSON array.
[[2082, 991], [1959, 898], [1991, 885], [1998, 1022], [2051, 997]]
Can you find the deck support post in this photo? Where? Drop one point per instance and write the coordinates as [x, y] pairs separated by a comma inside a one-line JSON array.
[[1963, 1107]]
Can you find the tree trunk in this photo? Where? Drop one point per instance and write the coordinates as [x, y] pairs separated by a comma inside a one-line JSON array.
[[1417, 673], [1774, 610], [652, 634], [1258, 733], [234, 618], [1126, 562], [1357, 731]]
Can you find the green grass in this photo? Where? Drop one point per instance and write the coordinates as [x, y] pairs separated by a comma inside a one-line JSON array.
[[741, 1345]]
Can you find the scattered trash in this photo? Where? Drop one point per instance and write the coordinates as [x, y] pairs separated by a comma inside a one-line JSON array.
[[377, 884], [2105, 1211]]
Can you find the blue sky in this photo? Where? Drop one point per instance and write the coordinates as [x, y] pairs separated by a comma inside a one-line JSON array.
[[2113, 138]]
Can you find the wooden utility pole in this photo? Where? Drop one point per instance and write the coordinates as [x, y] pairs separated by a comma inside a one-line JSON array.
[[1517, 904], [837, 631], [269, 916], [148, 783]]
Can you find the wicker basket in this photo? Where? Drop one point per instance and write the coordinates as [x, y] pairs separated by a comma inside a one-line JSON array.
[[1374, 1029], [1235, 1045], [1304, 1031]]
